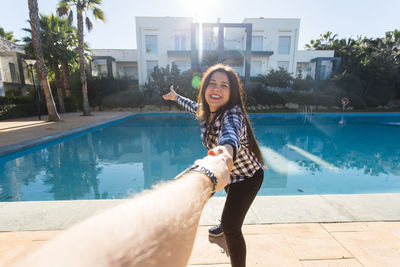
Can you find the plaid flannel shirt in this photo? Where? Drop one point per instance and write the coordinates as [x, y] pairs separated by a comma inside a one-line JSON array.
[[228, 128]]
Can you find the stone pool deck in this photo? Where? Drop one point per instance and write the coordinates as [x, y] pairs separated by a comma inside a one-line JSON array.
[[311, 230]]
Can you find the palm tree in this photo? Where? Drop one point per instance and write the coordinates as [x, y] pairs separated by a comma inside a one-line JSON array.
[[9, 36], [59, 39], [70, 53], [53, 50], [37, 46], [64, 8]]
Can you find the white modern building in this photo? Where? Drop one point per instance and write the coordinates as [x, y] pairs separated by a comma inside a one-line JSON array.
[[253, 47], [120, 63]]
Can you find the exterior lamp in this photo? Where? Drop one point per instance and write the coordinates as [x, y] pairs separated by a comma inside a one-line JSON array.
[[30, 63]]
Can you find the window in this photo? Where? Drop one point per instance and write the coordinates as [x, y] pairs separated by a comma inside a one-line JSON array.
[[130, 72], [151, 43], [210, 38], [182, 65], [180, 42], [255, 68], [257, 43], [13, 72], [284, 65], [284, 45], [150, 64]]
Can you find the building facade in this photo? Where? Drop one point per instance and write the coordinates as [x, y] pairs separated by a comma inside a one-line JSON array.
[[118, 63], [14, 76], [253, 47]]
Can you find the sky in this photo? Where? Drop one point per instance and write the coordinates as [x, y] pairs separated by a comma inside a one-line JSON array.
[[346, 18]]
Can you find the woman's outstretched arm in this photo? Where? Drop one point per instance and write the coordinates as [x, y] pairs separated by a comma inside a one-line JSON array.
[[156, 228], [184, 102]]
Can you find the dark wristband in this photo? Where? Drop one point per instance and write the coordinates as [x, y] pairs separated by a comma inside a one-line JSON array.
[[203, 170]]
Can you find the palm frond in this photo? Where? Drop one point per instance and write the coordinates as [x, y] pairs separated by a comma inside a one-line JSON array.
[[95, 2], [89, 24], [63, 8], [99, 14], [70, 17]]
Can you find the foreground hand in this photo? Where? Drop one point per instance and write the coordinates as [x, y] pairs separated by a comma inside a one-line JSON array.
[[220, 165], [171, 95]]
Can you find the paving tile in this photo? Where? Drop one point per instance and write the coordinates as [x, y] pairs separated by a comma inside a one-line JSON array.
[[262, 250], [332, 263], [269, 250], [378, 247], [347, 227], [255, 229], [311, 241], [208, 265], [208, 251]]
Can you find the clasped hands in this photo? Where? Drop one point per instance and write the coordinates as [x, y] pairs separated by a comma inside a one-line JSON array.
[[220, 163]]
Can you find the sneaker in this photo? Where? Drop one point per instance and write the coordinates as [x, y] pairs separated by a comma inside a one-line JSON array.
[[216, 230]]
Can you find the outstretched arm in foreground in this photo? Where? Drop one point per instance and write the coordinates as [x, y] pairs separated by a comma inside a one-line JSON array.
[[157, 228]]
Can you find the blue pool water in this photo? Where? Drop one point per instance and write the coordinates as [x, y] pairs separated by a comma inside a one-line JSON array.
[[322, 154]]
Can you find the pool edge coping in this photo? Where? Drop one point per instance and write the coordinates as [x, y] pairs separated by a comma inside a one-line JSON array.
[[335, 208]]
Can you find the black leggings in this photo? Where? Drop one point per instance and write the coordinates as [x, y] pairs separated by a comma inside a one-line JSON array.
[[240, 195]]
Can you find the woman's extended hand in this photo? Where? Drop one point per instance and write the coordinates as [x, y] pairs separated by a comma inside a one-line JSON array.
[[171, 95], [224, 149]]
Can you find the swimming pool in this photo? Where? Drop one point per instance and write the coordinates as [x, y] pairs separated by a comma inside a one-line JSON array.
[[319, 154]]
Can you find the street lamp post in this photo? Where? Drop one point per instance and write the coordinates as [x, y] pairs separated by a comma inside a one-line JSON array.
[[30, 63]]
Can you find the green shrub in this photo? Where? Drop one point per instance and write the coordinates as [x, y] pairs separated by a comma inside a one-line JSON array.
[[16, 100], [124, 99], [349, 84], [4, 100], [264, 97], [357, 102], [371, 101], [12, 111], [280, 78], [298, 98], [302, 85]]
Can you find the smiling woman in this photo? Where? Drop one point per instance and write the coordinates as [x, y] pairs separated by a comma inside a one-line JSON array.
[[218, 91], [225, 128]]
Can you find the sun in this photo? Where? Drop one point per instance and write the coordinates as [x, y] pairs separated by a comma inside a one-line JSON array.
[[198, 9]]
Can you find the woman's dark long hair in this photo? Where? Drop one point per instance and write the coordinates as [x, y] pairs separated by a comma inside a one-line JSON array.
[[236, 98]]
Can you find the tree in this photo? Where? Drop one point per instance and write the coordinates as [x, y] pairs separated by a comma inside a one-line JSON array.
[[37, 47], [9, 36], [280, 78], [64, 8], [162, 77], [370, 67], [58, 41]]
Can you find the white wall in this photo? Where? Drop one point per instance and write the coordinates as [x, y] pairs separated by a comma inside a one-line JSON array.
[[123, 58], [271, 29], [129, 55], [308, 55], [165, 28]]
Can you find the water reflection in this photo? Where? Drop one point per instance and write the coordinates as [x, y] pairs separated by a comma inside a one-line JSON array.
[[126, 158], [113, 162], [322, 157]]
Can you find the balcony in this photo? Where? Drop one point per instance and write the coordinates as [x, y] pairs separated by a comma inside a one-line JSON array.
[[179, 53]]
